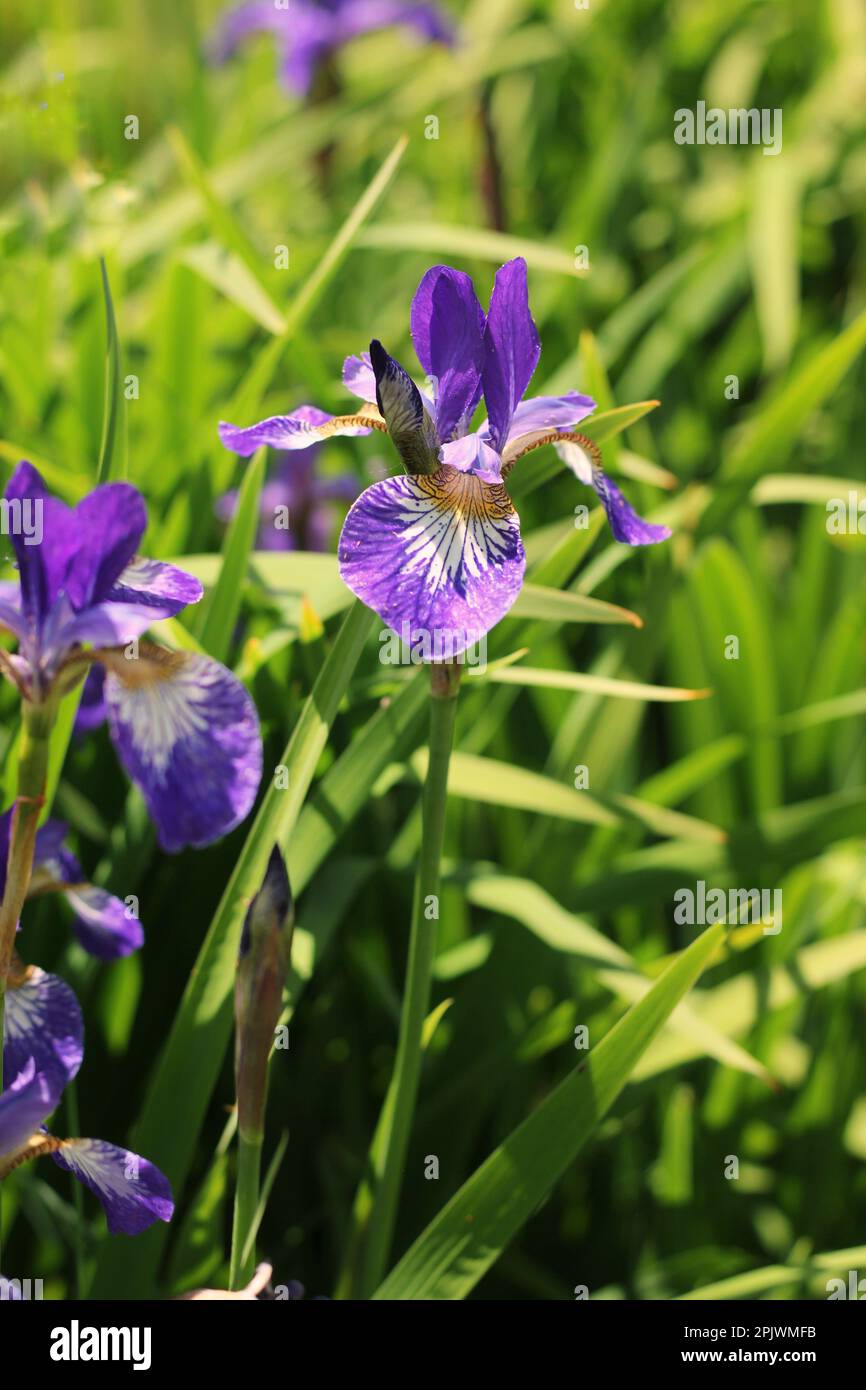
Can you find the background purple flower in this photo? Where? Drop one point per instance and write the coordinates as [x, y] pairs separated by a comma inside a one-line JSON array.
[[307, 32], [308, 498]]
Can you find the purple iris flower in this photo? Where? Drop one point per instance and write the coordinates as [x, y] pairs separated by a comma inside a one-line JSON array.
[[102, 923], [308, 31], [132, 1191], [438, 549], [297, 491], [42, 1051], [183, 726]]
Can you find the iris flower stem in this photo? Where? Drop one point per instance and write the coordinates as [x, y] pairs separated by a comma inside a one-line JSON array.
[[246, 1207], [388, 1154]]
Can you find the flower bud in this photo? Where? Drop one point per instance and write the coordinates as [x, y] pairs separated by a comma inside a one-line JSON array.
[[263, 965]]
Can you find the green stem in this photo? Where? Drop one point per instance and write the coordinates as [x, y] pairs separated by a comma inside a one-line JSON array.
[[246, 1207], [377, 1200]]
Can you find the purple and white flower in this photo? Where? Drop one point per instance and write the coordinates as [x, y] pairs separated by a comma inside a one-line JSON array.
[[438, 549], [43, 1023], [133, 1192], [184, 727], [102, 923], [309, 31]]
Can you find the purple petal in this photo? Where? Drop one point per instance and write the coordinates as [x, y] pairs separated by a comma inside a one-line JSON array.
[[401, 404], [548, 413], [439, 558], [305, 426], [304, 32], [133, 1192], [26, 1103], [92, 709], [626, 525], [513, 348], [103, 923], [359, 377], [106, 624], [42, 567], [472, 454], [160, 587], [43, 1022], [448, 333], [314, 33], [624, 521], [238, 23], [11, 616], [187, 732], [109, 523]]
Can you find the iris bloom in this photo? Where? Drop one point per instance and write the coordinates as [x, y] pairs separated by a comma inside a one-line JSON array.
[[42, 1052], [438, 549], [183, 726], [102, 923], [132, 1191], [308, 31]]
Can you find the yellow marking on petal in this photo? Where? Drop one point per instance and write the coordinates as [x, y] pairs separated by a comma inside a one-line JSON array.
[[367, 418], [149, 667], [553, 437], [36, 1147]]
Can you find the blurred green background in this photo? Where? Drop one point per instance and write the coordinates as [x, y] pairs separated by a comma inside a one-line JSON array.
[[705, 263]]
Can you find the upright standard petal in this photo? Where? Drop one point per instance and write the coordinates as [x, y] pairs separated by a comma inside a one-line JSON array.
[[472, 454], [513, 348], [133, 1192], [439, 558], [26, 1103], [109, 523], [359, 377], [402, 406], [305, 426], [624, 522], [187, 733], [44, 539], [43, 1023], [448, 332]]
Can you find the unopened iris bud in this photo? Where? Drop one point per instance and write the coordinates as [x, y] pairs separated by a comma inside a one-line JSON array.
[[263, 965]]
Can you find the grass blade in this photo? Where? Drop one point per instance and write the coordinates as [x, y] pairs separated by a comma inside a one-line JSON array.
[[469, 1234]]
